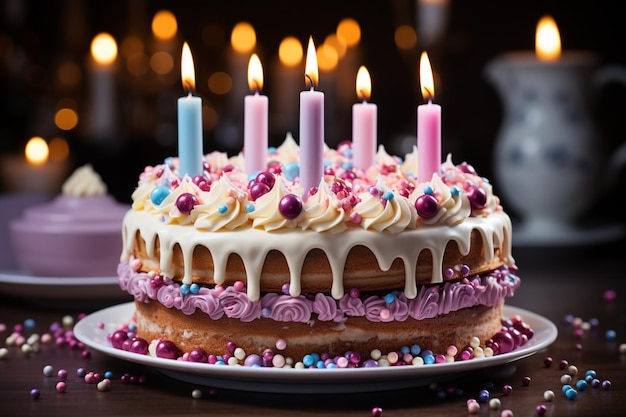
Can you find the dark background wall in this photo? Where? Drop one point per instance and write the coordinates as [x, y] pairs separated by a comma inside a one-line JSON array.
[[37, 36]]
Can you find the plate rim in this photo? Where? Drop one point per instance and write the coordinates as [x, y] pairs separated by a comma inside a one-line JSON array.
[[275, 379]]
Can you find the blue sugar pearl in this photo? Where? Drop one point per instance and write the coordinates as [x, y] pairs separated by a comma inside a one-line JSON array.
[[308, 360], [428, 190], [348, 166], [348, 153], [415, 350], [315, 356], [249, 207], [158, 194], [588, 379], [253, 175], [223, 209], [566, 387], [194, 288], [390, 298], [266, 312], [610, 335], [581, 384], [591, 373], [405, 350], [429, 359], [220, 362], [320, 364], [169, 161], [29, 323], [184, 289], [108, 374], [571, 394], [271, 150], [454, 190], [291, 170], [483, 395], [331, 365], [427, 352], [388, 195], [132, 327], [595, 382]]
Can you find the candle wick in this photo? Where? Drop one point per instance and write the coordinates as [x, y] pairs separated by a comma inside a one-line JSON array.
[[309, 80], [430, 94]]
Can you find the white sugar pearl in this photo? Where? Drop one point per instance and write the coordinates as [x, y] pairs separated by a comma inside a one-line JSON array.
[[566, 379], [196, 394], [572, 370], [418, 360], [494, 403], [375, 354], [239, 353], [474, 342], [548, 395], [232, 361], [67, 321], [488, 352], [622, 348], [4, 352]]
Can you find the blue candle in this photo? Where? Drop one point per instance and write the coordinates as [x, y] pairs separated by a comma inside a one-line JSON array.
[[189, 121]]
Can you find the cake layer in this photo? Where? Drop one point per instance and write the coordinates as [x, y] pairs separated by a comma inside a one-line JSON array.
[[356, 334], [313, 262]]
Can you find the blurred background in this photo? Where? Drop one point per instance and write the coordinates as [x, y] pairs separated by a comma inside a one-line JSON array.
[[120, 116]]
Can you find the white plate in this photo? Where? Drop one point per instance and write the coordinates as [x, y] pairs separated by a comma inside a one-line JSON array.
[[303, 381], [21, 284]]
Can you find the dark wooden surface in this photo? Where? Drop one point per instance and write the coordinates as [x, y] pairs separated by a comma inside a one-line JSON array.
[[555, 283]]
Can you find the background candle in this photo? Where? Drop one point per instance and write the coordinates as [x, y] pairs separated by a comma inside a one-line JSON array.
[[364, 123], [428, 126], [311, 126], [103, 88], [255, 120], [189, 121]]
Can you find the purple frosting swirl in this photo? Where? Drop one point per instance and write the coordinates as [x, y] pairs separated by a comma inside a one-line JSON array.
[[237, 305], [431, 301]]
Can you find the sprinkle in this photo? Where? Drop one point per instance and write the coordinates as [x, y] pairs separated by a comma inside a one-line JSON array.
[[571, 394], [62, 374], [35, 393], [184, 289], [483, 395], [390, 298], [104, 385], [474, 342], [375, 354], [548, 395], [572, 370], [388, 195], [507, 390], [455, 191], [223, 209], [61, 386], [563, 364], [566, 379], [581, 384], [541, 409], [526, 381], [606, 385], [48, 370], [472, 406], [494, 403], [196, 394], [547, 361], [506, 413], [428, 190]]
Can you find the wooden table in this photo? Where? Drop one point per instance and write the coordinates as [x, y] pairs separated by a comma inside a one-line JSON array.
[[555, 283]]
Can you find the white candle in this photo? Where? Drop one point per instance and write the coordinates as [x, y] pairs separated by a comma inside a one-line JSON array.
[[311, 126], [428, 126], [189, 121], [364, 123], [255, 120], [102, 84]]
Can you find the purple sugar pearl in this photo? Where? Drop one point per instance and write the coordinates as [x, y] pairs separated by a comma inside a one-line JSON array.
[[505, 341], [290, 206], [139, 345], [426, 205], [258, 189], [117, 338], [477, 197], [186, 202], [266, 178], [166, 349], [198, 355]]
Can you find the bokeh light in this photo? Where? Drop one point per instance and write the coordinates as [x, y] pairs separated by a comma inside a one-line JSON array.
[[104, 48], [36, 151], [164, 25], [349, 31], [290, 51], [243, 37]]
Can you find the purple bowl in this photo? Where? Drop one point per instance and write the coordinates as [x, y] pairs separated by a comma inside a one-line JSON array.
[[70, 237]]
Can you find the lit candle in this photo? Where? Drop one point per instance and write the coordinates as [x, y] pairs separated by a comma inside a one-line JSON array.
[[102, 74], [311, 126], [428, 126], [255, 120], [364, 118], [547, 40], [189, 121]]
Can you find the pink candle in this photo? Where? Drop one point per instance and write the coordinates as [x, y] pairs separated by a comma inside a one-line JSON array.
[[428, 126], [255, 120], [311, 127], [364, 118]]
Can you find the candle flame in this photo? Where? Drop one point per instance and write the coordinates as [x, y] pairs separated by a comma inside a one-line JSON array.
[[426, 78], [363, 84], [255, 73], [310, 71], [547, 40], [36, 151], [187, 70], [103, 49]]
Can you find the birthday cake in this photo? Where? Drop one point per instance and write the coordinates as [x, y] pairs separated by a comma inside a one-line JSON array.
[[238, 268]]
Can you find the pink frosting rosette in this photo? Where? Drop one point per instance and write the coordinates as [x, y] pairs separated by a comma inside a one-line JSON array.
[[288, 308], [236, 304]]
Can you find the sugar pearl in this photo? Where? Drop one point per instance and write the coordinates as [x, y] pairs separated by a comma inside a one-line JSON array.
[[281, 344], [572, 370], [48, 370], [104, 385], [240, 353], [34, 393], [375, 354], [474, 342], [473, 407], [67, 321], [494, 403], [526, 381], [548, 395], [61, 386], [196, 394], [541, 410], [566, 379], [4, 353], [506, 413]]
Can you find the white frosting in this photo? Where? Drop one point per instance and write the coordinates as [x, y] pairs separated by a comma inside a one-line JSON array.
[[84, 182], [253, 244]]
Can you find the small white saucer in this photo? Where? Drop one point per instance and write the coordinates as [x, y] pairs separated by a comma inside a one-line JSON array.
[[21, 284]]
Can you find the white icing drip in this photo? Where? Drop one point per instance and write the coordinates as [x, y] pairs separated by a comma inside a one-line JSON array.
[[495, 230]]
